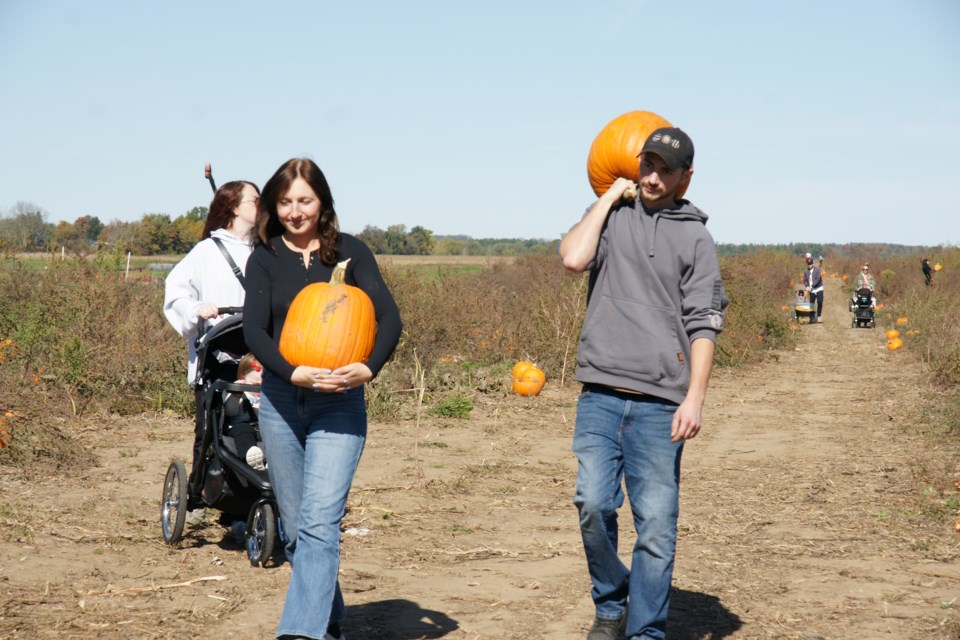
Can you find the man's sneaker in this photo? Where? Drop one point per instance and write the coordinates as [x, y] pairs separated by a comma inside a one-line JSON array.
[[334, 633], [606, 629], [255, 458]]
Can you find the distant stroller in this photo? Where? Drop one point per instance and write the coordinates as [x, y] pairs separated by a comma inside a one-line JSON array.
[[222, 480], [803, 308], [862, 308]]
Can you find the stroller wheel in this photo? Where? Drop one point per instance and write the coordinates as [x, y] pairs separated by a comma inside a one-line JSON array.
[[261, 533], [173, 508]]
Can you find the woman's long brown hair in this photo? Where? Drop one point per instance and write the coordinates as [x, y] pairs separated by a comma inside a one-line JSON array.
[[268, 222]]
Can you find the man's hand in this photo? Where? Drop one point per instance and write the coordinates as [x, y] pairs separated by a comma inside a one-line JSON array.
[[687, 420]]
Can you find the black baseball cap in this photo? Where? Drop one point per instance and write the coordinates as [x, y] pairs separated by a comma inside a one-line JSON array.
[[671, 144]]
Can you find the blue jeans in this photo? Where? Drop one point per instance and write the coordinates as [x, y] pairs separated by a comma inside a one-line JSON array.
[[621, 435], [313, 444]]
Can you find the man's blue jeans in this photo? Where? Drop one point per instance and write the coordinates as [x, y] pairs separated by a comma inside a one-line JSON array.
[[313, 444], [627, 436]]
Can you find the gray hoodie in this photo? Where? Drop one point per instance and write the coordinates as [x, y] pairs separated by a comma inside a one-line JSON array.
[[654, 288]]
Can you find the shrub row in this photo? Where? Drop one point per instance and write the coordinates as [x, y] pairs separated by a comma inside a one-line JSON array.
[[76, 337]]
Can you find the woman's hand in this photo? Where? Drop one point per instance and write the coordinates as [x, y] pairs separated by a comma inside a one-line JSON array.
[[338, 381], [207, 310]]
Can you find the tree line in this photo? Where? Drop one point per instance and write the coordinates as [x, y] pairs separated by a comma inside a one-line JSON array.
[[24, 228]]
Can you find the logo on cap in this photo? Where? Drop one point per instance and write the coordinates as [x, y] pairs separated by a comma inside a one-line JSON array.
[[666, 139]]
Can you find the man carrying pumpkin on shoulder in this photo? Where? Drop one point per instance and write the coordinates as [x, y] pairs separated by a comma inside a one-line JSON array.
[[654, 309]]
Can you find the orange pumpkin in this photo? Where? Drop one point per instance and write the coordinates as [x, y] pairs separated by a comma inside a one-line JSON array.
[[892, 333], [902, 320], [329, 325], [614, 151], [520, 367], [894, 344], [530, 381]]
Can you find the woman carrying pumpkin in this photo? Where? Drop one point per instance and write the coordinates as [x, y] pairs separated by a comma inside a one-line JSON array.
[[313, 419]]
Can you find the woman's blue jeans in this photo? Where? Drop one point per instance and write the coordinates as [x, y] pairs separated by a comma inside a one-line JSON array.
[[313, 444], [627, 436]]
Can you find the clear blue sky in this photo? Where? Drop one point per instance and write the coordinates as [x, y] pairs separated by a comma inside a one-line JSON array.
[[814, 121]]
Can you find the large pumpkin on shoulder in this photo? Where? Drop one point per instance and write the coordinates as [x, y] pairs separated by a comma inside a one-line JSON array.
[[614, 151], [329, 324]]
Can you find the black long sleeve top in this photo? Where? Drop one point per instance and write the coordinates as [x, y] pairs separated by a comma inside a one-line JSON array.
[[274, 278]]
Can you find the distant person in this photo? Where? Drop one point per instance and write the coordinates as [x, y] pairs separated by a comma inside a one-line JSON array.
[[211, 276], [927, 271], [313, 422], [865, 281], [240, 413], [654, 309], [813, 285]]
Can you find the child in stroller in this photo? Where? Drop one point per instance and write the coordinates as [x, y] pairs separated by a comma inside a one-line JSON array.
[[240, 410], [862, 306], [221, 477]]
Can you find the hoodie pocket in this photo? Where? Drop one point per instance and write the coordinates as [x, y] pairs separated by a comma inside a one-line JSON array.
[[639, 340]]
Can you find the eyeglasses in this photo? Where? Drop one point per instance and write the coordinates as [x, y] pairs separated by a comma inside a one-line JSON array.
[[255, 200]]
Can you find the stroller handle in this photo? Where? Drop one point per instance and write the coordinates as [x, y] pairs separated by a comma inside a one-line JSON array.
[[203, 327]]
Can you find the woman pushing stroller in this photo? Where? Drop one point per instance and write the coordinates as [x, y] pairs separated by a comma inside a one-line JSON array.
[[865, 281]]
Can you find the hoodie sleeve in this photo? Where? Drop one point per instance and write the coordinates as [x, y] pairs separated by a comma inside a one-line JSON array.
[[702, 293], [181, 297]]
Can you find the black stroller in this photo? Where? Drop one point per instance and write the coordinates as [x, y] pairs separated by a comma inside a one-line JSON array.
[[221, 478], [862, 308]]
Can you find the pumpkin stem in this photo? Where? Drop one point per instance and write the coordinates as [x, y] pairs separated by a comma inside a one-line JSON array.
[[339, 273]]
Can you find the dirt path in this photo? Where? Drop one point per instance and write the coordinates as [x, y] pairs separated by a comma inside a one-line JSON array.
[[799, 520]]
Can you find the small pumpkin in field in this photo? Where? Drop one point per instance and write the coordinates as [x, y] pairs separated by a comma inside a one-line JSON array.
[[520, 367], [902, 320], [892, 333], [894, 344], [528, 380], [844, 277], [938, 267], [614, 151], [329, 324]]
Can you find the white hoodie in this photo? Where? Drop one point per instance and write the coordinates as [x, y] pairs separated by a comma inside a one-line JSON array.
[[204, 276]]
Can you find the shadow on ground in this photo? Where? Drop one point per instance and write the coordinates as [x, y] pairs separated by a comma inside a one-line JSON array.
[[396, 620], [698, 616]]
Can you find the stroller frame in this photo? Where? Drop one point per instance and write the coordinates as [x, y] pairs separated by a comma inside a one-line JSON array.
[[862, 308], [239, 488]]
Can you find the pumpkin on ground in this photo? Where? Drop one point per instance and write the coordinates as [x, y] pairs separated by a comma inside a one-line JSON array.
[[614, 151], [528, 380], [329, 324], [892, 333], [520, 367], [902, 320], [894, 344]]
